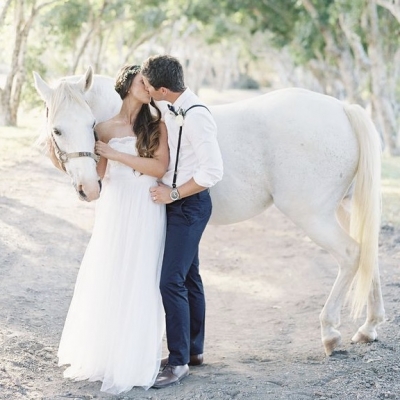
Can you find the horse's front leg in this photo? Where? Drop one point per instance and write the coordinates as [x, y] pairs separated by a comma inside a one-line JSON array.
[[375, 313]]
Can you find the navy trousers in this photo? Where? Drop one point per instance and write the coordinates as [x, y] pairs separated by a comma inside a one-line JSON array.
[[181, 285]]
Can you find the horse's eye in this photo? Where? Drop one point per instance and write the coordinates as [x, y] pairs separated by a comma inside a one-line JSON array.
[[56, 132]]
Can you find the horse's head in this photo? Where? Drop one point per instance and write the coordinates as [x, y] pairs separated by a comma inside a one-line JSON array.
[[70, 135]]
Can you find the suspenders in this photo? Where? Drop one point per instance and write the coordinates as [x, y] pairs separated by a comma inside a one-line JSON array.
[[179, 140]]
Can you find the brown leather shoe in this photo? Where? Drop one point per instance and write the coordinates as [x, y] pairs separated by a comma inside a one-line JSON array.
[[164, 362], [195, 359], [171, 375]]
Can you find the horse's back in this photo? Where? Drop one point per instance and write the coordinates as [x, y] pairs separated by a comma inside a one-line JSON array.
[[282, 106], [293, 145]]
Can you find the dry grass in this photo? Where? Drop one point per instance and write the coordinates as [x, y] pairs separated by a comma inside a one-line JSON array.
[[18, 142], [391, 191]]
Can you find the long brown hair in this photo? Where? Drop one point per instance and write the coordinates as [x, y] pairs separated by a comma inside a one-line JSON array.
[[147, 123]]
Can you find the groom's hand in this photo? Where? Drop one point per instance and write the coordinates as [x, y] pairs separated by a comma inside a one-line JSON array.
[[161, 194]]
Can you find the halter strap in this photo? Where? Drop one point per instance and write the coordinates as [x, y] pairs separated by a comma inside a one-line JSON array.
[[63, 157]]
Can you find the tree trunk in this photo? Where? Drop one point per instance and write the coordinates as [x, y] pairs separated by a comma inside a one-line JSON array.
[[392, 5], [95, 26], [359, 58], [7, 116], [380, 96], [5, 112], [340, 53], [11, 93], [3, 12]]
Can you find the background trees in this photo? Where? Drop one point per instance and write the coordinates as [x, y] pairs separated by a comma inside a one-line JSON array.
[[345, 48]]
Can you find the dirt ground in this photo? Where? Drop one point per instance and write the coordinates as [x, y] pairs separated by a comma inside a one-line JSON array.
[[265, 285]]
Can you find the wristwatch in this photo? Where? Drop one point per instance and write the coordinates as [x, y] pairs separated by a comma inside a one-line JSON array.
[[174, 195]]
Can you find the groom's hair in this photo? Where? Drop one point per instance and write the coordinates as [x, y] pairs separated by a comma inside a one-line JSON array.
[[164, 71]]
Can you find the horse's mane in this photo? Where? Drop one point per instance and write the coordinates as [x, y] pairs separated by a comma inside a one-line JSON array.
[[101, 98], [65, 94]]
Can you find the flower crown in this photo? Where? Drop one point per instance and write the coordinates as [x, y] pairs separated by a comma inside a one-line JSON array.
[[122, 79]]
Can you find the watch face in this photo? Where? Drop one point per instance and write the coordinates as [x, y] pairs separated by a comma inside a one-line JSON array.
[[174, 194]]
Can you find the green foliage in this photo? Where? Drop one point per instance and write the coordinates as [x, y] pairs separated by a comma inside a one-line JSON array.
[[390, 30], [308, 42], [62, 26], [33, 62], [65, 20], [148, 18], [203, 11], [227, 17]]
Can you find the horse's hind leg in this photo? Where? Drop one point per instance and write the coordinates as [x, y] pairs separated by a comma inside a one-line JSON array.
[[346, 251], [326, 231], [375, 313], [375, 308], [343, 213]]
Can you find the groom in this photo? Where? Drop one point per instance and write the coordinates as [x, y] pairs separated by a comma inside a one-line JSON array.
[[195, 166]]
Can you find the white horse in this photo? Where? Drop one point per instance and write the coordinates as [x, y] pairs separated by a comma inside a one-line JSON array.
[[309, 154]]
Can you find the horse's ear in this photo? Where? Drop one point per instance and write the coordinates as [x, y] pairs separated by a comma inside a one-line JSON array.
[[87, 80], [42, 87]]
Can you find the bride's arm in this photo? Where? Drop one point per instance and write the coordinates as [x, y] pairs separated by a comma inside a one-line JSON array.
[[156, 166], [101, 167], [102, 164]]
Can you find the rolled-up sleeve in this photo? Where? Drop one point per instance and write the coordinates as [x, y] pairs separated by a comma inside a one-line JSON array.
[[202, 133]]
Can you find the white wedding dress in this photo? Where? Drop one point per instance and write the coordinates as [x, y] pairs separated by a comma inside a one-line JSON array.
[[115, 323]]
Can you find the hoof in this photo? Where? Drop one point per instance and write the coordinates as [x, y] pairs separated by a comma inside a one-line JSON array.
[[331, 343], [361, 337]]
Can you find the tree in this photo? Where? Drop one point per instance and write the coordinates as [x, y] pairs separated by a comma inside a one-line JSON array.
[[345, 48], [3, 12], [349, 46], [25, 15]]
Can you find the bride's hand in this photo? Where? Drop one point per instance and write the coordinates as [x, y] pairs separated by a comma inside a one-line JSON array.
[[104, 150]]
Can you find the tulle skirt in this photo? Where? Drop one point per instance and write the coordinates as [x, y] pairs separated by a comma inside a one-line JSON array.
[[115, 323]]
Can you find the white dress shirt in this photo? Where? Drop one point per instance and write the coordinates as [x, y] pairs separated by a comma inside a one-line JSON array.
[[199, 154]]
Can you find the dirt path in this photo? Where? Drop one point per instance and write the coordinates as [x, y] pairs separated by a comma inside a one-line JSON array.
[[265, 283]]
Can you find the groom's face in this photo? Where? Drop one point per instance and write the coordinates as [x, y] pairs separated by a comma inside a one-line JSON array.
[[155, 94]]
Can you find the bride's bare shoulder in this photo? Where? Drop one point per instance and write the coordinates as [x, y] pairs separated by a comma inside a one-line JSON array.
[[105, 130]]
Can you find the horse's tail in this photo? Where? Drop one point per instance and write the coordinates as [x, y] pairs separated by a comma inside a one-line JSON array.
[[366, 203]]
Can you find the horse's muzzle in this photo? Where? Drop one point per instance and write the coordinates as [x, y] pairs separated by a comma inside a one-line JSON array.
[[82, 194]]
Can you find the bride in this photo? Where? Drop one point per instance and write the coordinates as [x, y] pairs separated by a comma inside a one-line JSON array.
[[115, 323]]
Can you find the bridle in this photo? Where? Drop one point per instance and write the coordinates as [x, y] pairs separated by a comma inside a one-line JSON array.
[[63, 157]]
